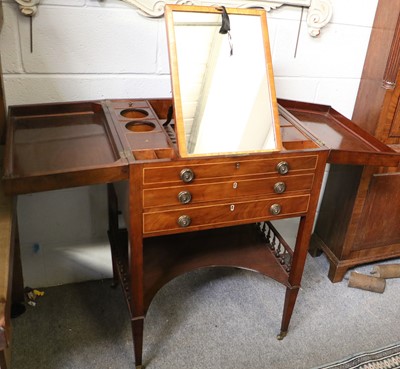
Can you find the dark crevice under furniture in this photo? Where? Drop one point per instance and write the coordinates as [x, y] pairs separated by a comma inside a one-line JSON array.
[[359, 218], [233, 198]]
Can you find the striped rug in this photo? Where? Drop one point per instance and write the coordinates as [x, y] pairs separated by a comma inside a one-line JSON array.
[[384, 358]]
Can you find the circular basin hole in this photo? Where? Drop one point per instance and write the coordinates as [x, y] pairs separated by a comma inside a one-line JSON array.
[[134, 113], [140, 126]]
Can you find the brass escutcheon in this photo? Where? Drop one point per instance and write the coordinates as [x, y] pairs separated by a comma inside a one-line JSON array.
[[279, 187], [275, 209], [184, 197], [282, 167], [187, 175], [184, 221]]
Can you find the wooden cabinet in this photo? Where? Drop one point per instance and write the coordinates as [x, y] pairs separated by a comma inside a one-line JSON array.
[[359, 219], [182, 214]]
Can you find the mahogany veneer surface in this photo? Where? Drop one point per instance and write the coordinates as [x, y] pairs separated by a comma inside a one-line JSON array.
[[47, 143], [131, 143], [348, 143], [62, 145]]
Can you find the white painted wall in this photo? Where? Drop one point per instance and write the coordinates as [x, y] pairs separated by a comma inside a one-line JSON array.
[[92, 49]]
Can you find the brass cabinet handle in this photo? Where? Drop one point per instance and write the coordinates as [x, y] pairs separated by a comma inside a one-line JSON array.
[[184, 197], [282, 167], [184, 221], [187, 175], [279, 187], [275, 209]]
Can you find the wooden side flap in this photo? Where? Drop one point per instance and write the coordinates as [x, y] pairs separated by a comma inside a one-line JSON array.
[[60, 145], [347, 142]]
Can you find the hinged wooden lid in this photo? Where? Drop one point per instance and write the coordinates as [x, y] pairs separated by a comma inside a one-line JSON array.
[[61, 145], [348, 143]]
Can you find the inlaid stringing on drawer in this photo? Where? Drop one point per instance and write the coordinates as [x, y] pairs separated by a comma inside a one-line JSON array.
[[227, 213], [229, 190], [167, 174]]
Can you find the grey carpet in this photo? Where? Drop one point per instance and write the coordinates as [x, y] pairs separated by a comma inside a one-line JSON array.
[[211, 318], [387, 357]]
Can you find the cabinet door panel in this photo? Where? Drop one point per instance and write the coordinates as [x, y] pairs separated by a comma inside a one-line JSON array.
[[380, 217], [395, 129]]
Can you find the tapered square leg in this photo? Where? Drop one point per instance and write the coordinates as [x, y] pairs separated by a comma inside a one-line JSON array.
[[290, 301], [137, 333]]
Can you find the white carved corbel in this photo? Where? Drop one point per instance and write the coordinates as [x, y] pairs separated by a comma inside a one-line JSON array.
[[319, 15], [319, 11], [28, 7]]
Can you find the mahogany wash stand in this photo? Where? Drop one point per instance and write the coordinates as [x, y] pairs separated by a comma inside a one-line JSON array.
[[184, 214]]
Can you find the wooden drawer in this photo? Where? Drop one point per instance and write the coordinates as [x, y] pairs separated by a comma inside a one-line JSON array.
[[231, 168], [169, 196], [223, 214]]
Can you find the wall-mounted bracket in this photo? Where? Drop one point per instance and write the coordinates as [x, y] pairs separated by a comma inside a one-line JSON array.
[[319, 15]]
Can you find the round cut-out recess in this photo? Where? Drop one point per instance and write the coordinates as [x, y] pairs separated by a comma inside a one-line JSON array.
[[140, 126], [134, 113]]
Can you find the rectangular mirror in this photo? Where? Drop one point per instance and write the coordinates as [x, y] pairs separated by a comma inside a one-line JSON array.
[[222, 81]]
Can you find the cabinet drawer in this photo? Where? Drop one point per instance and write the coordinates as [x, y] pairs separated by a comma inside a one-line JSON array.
[[230, 168], [198, 193], [224, 214]]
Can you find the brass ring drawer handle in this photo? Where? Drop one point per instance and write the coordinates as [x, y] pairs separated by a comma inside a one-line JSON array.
[[184, 197], [282, 167], [275, 209], [187, 175], [279, 187], [184, 221]]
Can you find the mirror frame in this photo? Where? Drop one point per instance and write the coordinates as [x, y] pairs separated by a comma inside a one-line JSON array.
[[175, 83]]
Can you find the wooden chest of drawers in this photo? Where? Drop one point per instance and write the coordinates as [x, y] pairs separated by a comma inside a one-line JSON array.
[[195, 196]]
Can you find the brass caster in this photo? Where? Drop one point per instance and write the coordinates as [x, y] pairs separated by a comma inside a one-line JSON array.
[[281, 336], [139, 367]]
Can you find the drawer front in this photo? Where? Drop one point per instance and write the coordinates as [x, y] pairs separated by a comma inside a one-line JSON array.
[[166, 174], [195, 194], [194, 218]]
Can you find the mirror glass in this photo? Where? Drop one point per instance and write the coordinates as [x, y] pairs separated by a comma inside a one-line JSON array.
[[222, 80]]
